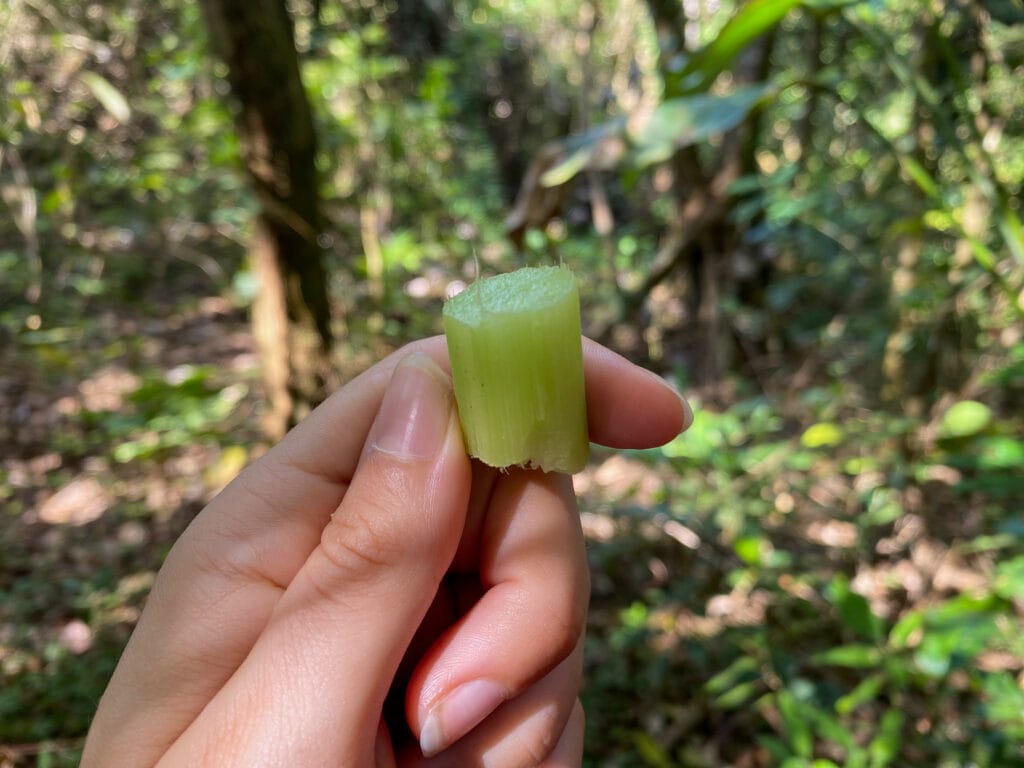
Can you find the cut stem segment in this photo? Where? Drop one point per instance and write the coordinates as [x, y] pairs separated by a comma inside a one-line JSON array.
[[517, 368]]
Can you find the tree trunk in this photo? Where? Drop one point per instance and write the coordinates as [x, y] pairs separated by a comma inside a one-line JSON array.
[[291, 316]]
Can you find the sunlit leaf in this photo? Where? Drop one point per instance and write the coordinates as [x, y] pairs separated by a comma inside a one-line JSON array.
[[821, 435], [106, 94], [901, 633], [738, 695], [966, 418], [919, 175], [750, 22], [568, 168], [750, 549], [853, 656], [982, 253], [1013, 233], [1001, 453], [581, 150]]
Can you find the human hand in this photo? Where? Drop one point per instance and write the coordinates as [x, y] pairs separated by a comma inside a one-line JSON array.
[[364, 594]]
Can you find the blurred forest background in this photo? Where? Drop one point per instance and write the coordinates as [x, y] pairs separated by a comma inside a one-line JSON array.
[[805, 214]]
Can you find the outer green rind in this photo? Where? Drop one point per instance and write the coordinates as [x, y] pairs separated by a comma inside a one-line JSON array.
[[517, 368]]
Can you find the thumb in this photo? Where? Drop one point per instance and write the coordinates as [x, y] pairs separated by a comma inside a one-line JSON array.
[[312, 689]]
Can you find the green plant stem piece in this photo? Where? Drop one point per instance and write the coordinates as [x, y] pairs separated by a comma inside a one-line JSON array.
[[517, 367]]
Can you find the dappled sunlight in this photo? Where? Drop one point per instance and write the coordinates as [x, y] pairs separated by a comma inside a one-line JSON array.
[[81, 501]]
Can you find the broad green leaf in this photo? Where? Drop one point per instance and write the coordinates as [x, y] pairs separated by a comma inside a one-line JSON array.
[[966, 418], [106, 94], [821, 435], [854, 656], [687, 120], [749, 22]]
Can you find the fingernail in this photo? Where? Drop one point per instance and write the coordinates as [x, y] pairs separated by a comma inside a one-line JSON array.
[[413, 418], [458, 713], [509, 750], [687, 410]]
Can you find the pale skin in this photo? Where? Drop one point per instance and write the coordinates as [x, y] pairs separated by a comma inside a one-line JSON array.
[[365, 595]]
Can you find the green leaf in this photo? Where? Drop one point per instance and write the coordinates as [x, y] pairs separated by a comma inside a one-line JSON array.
[[958, 630], [795, 723], [966, 418], [919, 175], [1001, 453], [982, 254], [750, 549], [565, 170], [652, 753], [581, 151], [855, 656], [687, 120], [1013, 233], [107, 95], [1004, 699], [737, 696], [854, 610], [884, 746], [743, 667], [828, 727], [821, 435], [904, 628], [865, 691], [750, 22], [1009, 578]]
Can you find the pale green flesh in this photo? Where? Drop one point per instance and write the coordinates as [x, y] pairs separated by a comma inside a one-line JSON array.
[[517, 367]]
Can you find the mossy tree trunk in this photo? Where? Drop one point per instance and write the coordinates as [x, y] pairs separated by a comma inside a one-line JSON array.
[[291, 316]]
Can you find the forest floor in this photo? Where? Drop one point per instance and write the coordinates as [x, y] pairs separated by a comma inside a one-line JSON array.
[[714, 559]]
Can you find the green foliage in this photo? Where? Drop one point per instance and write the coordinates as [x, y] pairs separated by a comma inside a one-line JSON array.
[[825, 570]]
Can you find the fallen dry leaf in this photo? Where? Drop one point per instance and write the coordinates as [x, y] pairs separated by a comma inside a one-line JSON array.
[[81, 501]]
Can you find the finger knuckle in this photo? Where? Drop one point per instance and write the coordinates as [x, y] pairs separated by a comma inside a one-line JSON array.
[[366, 533]]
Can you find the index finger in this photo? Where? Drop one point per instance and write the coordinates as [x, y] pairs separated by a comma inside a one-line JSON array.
[[627, 407]]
